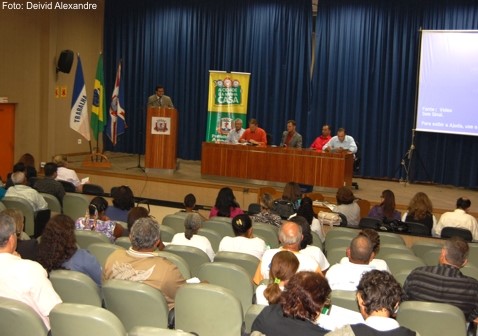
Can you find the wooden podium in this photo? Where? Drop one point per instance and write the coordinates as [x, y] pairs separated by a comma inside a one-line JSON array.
[[161, 139]]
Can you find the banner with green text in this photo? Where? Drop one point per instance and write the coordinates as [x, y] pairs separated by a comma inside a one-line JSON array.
[[228, 95]]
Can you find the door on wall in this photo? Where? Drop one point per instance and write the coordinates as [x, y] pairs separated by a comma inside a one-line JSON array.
[[7, 138]]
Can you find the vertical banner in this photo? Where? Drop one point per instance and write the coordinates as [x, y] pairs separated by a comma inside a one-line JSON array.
[[228, 96]]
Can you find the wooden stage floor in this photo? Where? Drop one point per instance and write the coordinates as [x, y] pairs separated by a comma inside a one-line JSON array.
[[188, 175]]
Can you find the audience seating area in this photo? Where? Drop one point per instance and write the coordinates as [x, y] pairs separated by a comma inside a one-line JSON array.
[[121, 307]]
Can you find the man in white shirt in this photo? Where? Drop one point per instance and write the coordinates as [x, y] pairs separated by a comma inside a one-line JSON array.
[[236, 133], [22, 279], [341, 143], [20, 189], [66, 174], [346, 276], [290, 236], [458, 219]]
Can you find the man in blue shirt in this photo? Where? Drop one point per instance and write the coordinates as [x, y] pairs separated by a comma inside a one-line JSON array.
[[341, 143]]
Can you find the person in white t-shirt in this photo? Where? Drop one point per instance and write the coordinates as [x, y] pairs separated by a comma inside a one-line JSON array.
[[244, 241], [346, 276], [306, 246], [290, 236], [66, 174], [374, 237], [189, 237]]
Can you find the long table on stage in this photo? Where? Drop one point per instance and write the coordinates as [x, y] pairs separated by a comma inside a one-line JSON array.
[[277, 164]]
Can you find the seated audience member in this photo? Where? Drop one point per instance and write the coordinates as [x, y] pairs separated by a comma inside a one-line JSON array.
[[347, 206], [189, 237], [123, 201], [190, 205], [244, 241], [266, 215], [284, 265], [66, 174], [140, 263], [298, 309], [458, 219], [27, 248], [374, 237], [20, 167], [226, 204], [30, 170], [48, 184], [290, 237], [58, 250], [378, 298], [134, 214], [293, 194], [341, 143], [444, 282], [22, 190], [254, 135], [21, 279], [420, 210], [306, 210], [347, 275], [235, 134], [386, 209], [95, 219], [321, 140], [291, 138], [306, 246]]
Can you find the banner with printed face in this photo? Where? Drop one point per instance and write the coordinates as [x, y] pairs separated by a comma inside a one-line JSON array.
[[228, 95]]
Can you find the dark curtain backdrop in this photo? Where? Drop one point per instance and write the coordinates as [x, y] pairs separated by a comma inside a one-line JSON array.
[[176, 43], [365, 80], [364, 76]]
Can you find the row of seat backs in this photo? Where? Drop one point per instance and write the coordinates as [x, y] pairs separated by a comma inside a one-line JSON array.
[[196, 309], [137, 304], [222, 226], [74, 205], [418, 229]]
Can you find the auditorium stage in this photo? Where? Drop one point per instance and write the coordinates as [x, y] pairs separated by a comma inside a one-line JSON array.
[[187, 178]]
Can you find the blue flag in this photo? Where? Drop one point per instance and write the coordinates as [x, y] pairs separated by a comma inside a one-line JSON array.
[[79, 107]]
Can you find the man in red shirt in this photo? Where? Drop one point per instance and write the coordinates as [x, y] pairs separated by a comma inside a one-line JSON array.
[[254, 134], [320, 141]]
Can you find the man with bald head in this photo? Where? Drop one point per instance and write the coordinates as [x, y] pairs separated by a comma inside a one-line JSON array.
[[290, 236], [346, 275]]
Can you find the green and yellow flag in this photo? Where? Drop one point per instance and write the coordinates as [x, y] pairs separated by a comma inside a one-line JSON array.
[[228, 96], [98, 108]]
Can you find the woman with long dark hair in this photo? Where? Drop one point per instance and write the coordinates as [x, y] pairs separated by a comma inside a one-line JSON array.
[[58, 250], [226, 204], [386, 209]]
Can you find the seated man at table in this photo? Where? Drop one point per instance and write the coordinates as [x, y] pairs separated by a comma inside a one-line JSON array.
[[341, 143], [254, 134], [291, 138], [235, 134], [321, 140]]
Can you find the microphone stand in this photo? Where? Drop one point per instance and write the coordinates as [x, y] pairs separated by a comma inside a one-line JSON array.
[[139, 154]]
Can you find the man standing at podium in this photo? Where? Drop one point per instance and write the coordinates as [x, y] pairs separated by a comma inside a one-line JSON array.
[[159, 99]]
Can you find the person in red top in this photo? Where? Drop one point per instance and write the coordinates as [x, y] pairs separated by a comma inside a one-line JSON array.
[[320, 141], [254, 134]]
